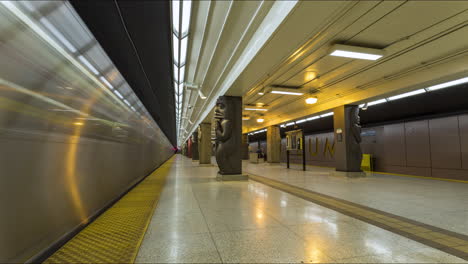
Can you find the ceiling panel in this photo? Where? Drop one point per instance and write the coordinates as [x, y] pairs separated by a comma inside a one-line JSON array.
[[434, 45]]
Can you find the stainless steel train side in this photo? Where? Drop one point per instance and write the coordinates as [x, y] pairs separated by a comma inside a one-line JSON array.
[[69, 144]]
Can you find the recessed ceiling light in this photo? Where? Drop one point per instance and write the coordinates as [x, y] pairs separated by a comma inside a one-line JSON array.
[[311, 100], [260, 120], [356, 52]]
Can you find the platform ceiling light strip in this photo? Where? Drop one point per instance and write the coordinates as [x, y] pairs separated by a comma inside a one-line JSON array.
[[447, 84], [403, 95], [356, 52], [255, 109], [313, 118], [381, 101], [327, 114], [285, 92]]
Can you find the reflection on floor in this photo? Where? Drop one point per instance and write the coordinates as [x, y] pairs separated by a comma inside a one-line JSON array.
[[439, 203], [201, 220]]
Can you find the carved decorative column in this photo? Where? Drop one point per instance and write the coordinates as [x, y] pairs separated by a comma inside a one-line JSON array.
[[348, 154], [228, 116], [273, 144], [204, 145], [195, 153]]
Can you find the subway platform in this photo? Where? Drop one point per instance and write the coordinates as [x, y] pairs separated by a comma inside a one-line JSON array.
[[197, 219]]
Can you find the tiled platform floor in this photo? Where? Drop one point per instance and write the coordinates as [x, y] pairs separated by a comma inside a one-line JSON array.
[[442, 204], [201, 220]]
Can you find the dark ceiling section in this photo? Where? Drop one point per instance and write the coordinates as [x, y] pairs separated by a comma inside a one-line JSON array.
[[433, 104], [143, 56]]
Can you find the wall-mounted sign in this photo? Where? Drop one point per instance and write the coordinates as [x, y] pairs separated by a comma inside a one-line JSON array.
[[294, 140]]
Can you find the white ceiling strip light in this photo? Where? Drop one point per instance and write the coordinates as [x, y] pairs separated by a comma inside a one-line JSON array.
[[381, 101], [181, 11]]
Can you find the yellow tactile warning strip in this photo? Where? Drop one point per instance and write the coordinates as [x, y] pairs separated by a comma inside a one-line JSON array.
[[116, 235], [444, 240]]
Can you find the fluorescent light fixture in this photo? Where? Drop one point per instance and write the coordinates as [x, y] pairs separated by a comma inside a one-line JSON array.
[[175, 43], [104, 80], [396, 97], [447, 84], [301, 121], [133, 108], [176, 73], [289, 124], [311, 100], [118, 94], [327, 114], [285, 92], [355, 52], [175, 15], [186, 10], [183, 50], [88, 64], [313, 118], [381, 101], [283, 125], [57, 34], [182, 73], [125, 101], [255, 109]]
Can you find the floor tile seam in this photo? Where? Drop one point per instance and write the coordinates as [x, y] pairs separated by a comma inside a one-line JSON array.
[[207, 226], [431, 243]]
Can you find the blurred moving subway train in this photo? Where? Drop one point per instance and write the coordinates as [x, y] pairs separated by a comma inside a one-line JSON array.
[[73, 135]]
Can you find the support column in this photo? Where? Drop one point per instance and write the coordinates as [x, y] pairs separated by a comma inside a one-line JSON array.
[[245, 147], [273, 144], [348, 154], [228, 115], [204, 146], [195, 153]]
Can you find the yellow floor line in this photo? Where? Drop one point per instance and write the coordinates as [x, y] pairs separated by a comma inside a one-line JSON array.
[[116, 235], [447, 241]]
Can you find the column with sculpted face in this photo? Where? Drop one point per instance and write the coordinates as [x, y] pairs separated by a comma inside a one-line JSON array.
[[228, 134]]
